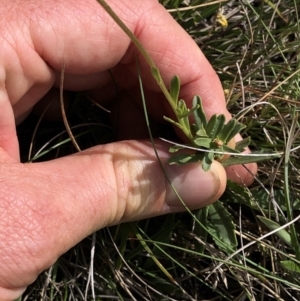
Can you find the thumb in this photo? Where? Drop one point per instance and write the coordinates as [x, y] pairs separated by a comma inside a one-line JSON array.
[[49, 207], [124, 181]]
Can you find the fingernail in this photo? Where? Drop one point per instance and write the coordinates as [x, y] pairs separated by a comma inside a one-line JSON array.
[[196, 187]]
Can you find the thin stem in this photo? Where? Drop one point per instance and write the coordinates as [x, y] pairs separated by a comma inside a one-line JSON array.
[[154, 70]]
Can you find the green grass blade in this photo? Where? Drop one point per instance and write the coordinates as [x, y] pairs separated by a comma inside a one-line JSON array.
[[282, 233], [290, 266]]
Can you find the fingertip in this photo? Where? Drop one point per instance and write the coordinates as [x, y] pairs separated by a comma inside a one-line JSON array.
[[196, 187], [242, 174], [8, 294], [220, 175]]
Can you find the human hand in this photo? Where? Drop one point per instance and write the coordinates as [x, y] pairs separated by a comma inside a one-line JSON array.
[[107, 184]]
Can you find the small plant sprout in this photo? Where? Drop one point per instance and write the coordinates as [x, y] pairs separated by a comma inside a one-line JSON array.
[[211, 139], [214, 135]]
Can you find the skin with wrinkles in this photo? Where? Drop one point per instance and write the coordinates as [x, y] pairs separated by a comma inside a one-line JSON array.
[[107, 184]]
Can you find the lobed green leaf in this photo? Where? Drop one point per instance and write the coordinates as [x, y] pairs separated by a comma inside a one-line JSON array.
[[175, 88], [235, 130], [227, 129], [241, 145], [199, 115], [203, 142], [230, 129], [221, 224], [175, 148], [207, 161], [200, 230], [185, 158], [201, 132], [228, 149], [215, 126], [172, 122], [239, 194]]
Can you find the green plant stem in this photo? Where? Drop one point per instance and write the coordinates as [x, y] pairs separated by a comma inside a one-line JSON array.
[[133, 38], [154, 70]]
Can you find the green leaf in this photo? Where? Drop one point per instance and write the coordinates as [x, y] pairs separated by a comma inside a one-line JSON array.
[[257, 199], [211, 124], [199, 115], [207, 161], [241, 145], [220, 124], [239, 194], [203, 142], [173, 122], [215, 125], [290, 266], [201, 215], [175, 148], [221, 224], [278, 194], [230, 150], [230, 129], [282, 234], [185, 158], [224, 149], [175, 88], [182, 114], [181, 108], [225, 133], [253, 157], [156, 74], [201, 132], [235, 130], [185, 114]]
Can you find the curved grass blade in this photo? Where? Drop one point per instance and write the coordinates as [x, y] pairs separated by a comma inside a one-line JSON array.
[[282, 234], [290, 266]]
